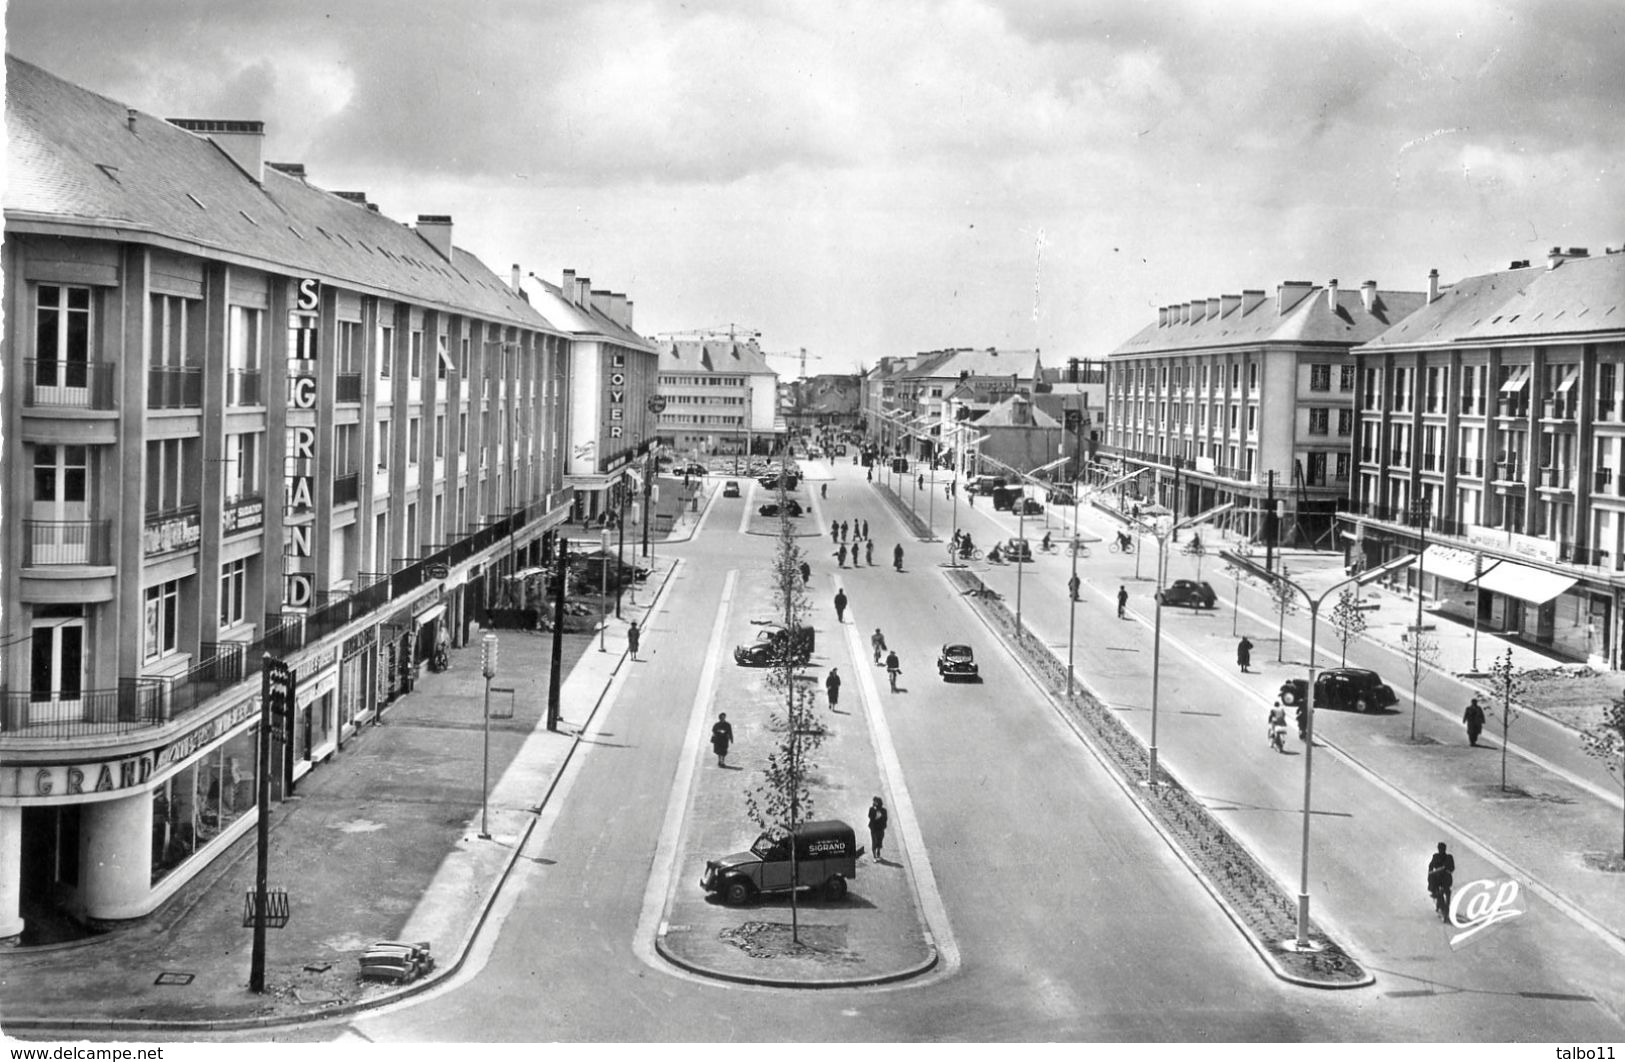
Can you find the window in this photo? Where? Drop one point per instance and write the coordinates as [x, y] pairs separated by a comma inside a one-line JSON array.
[[416, 365], [62, 336], [413, 440], [1252, 419], [346, 452], [1252, 376], [440, 352], [1345, 422], [1345, 379], [1342, 474], [462, 433], [1319, 420], [233, 592], [243, 357], [383, 444], [462, 360], [169, 325], [1320, 377], [59, 474], [439, 436], [242, 467], [162, 620], [349, 346], [386, 350], [169, 479]]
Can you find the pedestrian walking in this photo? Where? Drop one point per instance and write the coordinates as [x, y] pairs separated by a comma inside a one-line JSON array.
[[855, 552], [866, 530], [869, 473], [722, 736], [1474, 718], [834, 532], [841, 553], [869, 552], [919, 482], [632, 637], [806, 572], [877, 642], [1122, 601], [893, 668], [843, 530], [897, 557], [877, 826], [823, 490], [832, 686], [1072, 586], [840, 605], [1244, 653]]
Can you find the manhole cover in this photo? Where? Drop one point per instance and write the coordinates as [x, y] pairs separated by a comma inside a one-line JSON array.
[[171, 977]]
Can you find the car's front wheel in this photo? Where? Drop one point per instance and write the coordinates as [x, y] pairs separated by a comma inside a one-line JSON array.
[[1362, 705], [738, 892]]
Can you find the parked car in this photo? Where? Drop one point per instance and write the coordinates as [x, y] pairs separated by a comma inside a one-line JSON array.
[[791, 507], [771, 481], [770, 645], [957, 661], [693, 468], [826, 858], [730, 489], [1187, 593], [984, 484], [1005, 498], [1018, 549], [1030, 506], [1344, 688]]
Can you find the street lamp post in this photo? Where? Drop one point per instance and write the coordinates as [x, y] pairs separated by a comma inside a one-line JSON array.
[[488, 668], [1362, 578], [603, 588]]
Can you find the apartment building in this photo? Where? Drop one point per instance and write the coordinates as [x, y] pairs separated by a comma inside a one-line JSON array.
[[1490, 430], [721, 396], [243, 417], [1246, 400], [939, 389]]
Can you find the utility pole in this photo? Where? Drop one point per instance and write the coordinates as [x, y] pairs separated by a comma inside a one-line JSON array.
[[561, 557], [1269, 525]]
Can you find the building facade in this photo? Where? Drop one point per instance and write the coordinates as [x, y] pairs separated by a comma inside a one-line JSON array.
[[1490, 436], [245, 417], [1246, 400], [721, 397]]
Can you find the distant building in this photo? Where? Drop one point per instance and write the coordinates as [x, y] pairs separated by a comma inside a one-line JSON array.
[[828, 400], [1247, 400], [721, 396], [1489, 428]]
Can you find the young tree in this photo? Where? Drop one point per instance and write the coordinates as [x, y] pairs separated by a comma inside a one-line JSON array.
[[1424, 655], [1606, 742], [783, 799], [1506, 684], [1348, 620], [1285, 596]]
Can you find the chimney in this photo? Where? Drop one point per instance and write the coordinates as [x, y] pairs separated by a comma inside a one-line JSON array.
[[1213, 307], [1433, 286], [1331, 295], [1579, 252], [1162, 317], [617, 306], [628, 310], [358, 198], [516, 276], [129, 118], [583, 297], [1198, 309], [567, 286], [436, 228], [599, 300], [1368, 295], [243, 142], [1522, 263], [1251, 299], [292, 169], [1289, 293], [1228, 303]]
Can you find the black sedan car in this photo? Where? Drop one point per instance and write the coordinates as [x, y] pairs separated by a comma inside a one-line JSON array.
[[772, 643], [955, 662], [1188, 593], [1344, 688], [791, 508], [730, 489]]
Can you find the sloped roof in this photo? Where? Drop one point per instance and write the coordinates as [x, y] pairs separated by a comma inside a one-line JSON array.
[[75, 160], [713, 355], [1580, 297], [951, 364], [1310, 320], [583, 322], [1000, 416]]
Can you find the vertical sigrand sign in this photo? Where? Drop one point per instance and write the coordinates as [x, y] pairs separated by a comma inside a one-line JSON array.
[[299, 472]]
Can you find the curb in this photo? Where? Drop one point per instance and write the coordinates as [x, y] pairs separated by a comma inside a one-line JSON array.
[[781, 982], [433, 980]]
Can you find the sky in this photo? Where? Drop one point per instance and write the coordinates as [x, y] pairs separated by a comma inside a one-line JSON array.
[[864, 178]]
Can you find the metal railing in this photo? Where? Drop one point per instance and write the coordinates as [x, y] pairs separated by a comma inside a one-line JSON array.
[[347, 488], [132, 706], [53, 542], [347, 387], [244, 388], [67, 384], [174, 387]]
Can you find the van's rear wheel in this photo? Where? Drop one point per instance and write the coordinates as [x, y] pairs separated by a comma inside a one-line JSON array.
[[738, 893], [835, 889]]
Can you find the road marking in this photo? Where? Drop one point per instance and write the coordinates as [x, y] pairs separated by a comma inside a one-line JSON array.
[[662, 883], [932, 910]]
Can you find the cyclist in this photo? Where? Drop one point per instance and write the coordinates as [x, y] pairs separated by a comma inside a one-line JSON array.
[[1441, 879], [1195, 544], [878, 643], [994, 555], [893, 669], [1278, 727], [1045, 545], [1124, 542]]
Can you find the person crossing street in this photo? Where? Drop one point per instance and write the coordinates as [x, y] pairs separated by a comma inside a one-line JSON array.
[[840, 605], [877, 642]]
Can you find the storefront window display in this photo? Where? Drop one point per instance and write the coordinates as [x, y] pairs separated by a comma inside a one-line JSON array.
[[195, 804]]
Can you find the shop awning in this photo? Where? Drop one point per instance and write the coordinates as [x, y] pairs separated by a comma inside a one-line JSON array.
[[1534, 585], [1571, 376], [429, 615], [1451, 563], [1515, 382]]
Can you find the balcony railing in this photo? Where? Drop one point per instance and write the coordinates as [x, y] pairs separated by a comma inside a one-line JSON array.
[[1606, 409], [1604, 482], [1470, 466], [1401, 458], [1470, 406], [1509, 471], [1561, 408], [1558, 478], [1512, 407], [174, 387], [347, 489], [244, 388], [52, 542], [347, 387], [68, 384], [133, 706]]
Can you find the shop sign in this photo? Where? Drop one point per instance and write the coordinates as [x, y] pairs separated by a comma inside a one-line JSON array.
[[361, 641], [315, 665], [166, 536], [1543, 549], [209, 732], [615, 395], [244, 516]]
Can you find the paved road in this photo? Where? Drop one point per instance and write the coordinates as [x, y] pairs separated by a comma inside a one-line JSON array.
[[1541, 974], [1072, 919]]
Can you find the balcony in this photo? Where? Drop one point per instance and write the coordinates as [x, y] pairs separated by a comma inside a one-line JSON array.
[[174, 387], [1603, 482], [1510, 406], [1470, 466], [1509, 472], [1470, 406], [135, 705], [58, 542], [347, 489], [1400, 458], [244, 388], [347, 387], [54, 384], [1559, 408], [1557, 478]]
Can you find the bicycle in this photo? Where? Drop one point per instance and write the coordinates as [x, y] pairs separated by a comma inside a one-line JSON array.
[[1194, 548], [1079, 549], [891, 676], [1119, 546]]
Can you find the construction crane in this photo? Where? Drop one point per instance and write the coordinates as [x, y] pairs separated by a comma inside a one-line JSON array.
[[800, 356], [730, 331]]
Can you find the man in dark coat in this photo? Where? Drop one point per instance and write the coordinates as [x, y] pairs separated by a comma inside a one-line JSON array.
[[840, 605], [877, 826], [1122, 601], [806, 572], [841, 554], [722, 735], [832, 685], [1244, 653], [633, 635], [897, 557], [1474, 718], [869, 551]]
